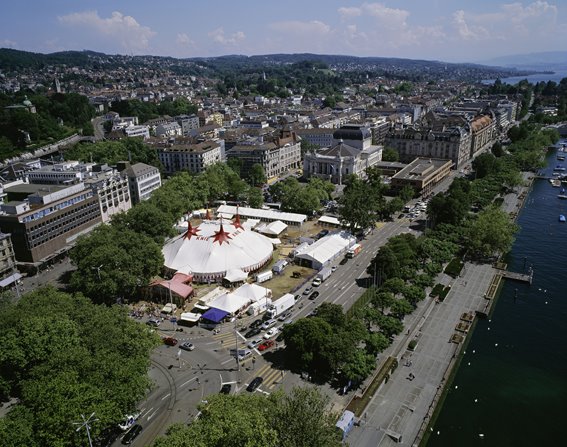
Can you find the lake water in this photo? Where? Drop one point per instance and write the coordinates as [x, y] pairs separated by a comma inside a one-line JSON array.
[[511, 386], [533, 79]]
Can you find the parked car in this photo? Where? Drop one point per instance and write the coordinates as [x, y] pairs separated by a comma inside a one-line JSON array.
[[314, 295], [225, 389], [266, 345], [255, 324], [284, 316], [343, 261], [268, 324], [170, 341], [186, 346], [297, 297], [252, 332], [271, 333], [155, 322], [252, 386], [307, 290], [131, 434]]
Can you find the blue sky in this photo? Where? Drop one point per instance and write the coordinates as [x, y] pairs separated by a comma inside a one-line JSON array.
[[449, 30]]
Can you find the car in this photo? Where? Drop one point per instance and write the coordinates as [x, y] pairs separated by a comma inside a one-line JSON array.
[[333, 268], [129, 421], [131, 434], [308, 290], [271, 333], [297, 297], [313, 295], [170, 341], [254, 343], [252, 386], [316, 282], [186, 346], [155, 322], [255, 324], [225, 389], [253, 332], [284, 316], [242, 354], [343, 261], [287, 322], [268, 324], [266, 345]]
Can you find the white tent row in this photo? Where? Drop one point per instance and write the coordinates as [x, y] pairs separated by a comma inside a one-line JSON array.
[[327, 248], [271, 229], [264, 215]]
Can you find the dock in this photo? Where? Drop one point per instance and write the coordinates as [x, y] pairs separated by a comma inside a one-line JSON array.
[[522, 277]]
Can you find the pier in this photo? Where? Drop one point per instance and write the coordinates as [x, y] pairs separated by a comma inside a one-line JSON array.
[[522, 277]]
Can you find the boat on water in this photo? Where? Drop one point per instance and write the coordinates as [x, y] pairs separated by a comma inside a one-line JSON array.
[[561, 218], [562, 196], [559, 168], [556, 183], [561, 157]]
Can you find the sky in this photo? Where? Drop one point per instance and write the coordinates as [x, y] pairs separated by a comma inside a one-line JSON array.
[[447, 30]]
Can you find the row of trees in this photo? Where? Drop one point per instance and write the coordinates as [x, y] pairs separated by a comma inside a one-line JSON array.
[[63, 356], [300, 418], [148, 110], [111, 152]]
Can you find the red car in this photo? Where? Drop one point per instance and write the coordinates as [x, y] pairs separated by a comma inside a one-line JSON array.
[[266, 345], [170, 341]]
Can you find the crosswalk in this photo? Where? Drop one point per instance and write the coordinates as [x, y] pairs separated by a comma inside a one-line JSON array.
[[272, 377], [228, 339]]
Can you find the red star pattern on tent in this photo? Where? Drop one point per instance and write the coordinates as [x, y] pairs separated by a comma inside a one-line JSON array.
[[236, 222], [191, 231], [221, 236]]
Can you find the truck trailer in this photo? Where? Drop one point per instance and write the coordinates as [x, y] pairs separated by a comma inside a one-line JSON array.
[[354, 250], [322, 276], [280, 305]]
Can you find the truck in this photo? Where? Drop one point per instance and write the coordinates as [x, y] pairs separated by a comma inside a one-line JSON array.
[[354, 250], [280, 305], [322, 276], [264, 276]]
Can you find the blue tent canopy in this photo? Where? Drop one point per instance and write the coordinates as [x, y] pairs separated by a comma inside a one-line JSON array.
[[215, 315]]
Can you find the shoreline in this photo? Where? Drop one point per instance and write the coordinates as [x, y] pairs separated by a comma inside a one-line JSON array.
[[404, 409]]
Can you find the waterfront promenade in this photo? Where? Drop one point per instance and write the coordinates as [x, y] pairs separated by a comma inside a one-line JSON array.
[[400, 411]]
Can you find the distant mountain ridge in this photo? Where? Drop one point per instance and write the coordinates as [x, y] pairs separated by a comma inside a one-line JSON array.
[[547, 60], [17, 60]]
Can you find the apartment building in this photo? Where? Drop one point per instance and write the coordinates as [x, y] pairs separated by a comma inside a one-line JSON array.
[[143, 179], [194, 158]]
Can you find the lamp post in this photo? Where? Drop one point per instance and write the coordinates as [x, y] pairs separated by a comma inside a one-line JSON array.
[[86, 423], [98, 270]]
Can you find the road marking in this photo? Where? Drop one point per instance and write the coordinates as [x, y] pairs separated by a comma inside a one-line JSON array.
[[166, 396], [152, 415], [226, 361], [189, 381]]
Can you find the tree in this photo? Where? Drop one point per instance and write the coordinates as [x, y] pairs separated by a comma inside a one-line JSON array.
[[358, 366], [113, 263], [55, 352], [257, 175], [485, 164], [237, 420], [406, 193], [376, 342], [357, 205], [301, 419], [490, 233], [390, 326], [145, 218], [401, 308], [390, 154]]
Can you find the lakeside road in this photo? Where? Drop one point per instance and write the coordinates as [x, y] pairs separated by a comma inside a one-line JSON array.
[[400, 411]]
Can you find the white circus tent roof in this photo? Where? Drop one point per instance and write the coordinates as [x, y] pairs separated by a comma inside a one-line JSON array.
[[213, 248]]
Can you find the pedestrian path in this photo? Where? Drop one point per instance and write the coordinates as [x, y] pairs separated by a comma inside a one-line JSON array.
[[228, 339]]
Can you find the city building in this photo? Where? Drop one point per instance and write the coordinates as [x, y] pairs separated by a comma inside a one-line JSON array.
[[45, 220], [194, 158], [8, 273], [143, 179], [168, 130], [422, 174], [112, 190], [352, 152]]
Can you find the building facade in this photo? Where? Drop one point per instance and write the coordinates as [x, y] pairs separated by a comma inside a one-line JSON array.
[[422, 174], [194, 158], [143, 179], [49, 220]]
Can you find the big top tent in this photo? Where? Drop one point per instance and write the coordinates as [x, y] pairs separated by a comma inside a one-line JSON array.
[[215, 247]]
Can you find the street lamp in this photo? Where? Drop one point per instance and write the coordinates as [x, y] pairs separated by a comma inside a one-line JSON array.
[[86, 423]]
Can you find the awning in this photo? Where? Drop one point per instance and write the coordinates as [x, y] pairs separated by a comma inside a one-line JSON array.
[[236, 275], [215, 315], [10, 279]]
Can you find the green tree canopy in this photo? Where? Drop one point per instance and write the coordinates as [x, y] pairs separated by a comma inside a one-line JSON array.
[[490, 233], [55, 352], [390, 154], [114, 263]]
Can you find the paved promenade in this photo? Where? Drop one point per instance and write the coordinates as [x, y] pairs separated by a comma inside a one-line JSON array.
[[400, 411]]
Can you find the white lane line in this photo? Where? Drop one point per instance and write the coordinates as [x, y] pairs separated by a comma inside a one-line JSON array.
[[166, 396], [149, 410], [226, 361], [152, 415], [189, 381]]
